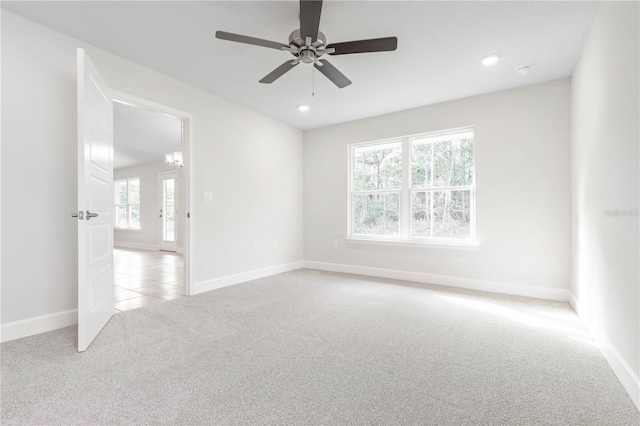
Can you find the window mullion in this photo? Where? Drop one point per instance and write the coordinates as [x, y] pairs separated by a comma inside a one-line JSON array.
[[405, 195], [377, 191]]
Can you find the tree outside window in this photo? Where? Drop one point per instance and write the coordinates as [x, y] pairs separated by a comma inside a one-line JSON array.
[[416, 188]]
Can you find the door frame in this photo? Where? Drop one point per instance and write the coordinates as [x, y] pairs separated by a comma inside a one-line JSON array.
[[188, 174], [162, 176]]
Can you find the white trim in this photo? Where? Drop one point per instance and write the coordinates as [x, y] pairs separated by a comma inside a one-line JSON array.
[[136, 246], [621, 368], [180, 250], [215, 283], [189, 176], [573, 301], [36, 325], [416, 244], [556, 294], [135, 101], [629, 379]]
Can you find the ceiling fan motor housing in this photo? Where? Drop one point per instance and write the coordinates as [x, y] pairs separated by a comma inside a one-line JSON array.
[[296, 39], [306, 51]]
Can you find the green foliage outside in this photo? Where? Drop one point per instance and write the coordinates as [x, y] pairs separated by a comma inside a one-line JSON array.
[[378, 169], [441, 163], [445, 162]]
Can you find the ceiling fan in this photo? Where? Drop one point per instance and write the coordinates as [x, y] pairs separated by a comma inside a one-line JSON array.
[[308, 44]]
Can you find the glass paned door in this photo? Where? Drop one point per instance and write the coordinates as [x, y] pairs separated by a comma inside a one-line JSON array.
[[169, 203], [168, 210]]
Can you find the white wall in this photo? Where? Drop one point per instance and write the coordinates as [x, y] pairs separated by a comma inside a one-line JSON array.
[[251, 163], [148, 236], [522, 141], [605, 155]]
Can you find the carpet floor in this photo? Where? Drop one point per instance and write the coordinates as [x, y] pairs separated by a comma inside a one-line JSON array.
[[311, 348]]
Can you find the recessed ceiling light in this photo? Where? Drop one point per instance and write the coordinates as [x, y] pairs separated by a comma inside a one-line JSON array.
[[303, 108], [491, 59], [524, 69]]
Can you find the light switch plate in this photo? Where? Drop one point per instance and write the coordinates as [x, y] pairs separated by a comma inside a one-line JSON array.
[[207, 197]]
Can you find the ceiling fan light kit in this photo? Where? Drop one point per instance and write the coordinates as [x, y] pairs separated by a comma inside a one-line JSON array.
[[308, 44]]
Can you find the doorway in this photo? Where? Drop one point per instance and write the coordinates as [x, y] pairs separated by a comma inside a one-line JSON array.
[[151, 233]]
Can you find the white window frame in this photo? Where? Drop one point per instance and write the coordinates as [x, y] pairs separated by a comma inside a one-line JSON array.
[[406, 191], [127, 205]]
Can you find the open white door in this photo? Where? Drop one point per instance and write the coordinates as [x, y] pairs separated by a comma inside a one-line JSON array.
[[95, 192]]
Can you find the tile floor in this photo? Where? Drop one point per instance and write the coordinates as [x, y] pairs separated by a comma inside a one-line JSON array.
[[145, 277]]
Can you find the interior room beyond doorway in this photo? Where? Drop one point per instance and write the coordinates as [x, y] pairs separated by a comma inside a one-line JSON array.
[[149, 208]]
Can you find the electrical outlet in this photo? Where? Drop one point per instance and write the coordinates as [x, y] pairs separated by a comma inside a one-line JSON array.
[[274, 245], [207, 196], [255, 247], [335, 244]]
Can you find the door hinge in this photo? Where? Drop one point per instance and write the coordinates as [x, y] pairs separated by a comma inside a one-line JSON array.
[[188, 215]]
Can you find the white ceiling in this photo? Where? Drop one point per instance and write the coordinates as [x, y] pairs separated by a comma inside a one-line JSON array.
[[440, 45], [141, 136]]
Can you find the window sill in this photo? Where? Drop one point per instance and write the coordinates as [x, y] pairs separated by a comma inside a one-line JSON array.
[[127, 229], [416, 244]]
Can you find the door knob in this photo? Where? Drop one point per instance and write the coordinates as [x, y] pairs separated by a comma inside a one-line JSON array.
[[89, 215]]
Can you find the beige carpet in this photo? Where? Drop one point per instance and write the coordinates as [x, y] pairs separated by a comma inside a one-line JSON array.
[[309, 347]]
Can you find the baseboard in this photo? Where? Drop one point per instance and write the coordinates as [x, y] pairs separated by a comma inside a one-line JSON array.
[[36, 325], [557, 294], [573, 301], [215, 283], [629, 379], [136, 246], [623, 371]]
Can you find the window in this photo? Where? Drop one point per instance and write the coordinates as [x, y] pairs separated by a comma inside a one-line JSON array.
[[127, 205], [418, 188]]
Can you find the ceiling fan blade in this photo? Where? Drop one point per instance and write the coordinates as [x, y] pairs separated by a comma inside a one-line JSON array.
[[310, 11], [223, 35], [364, 46], [333, 74], [278, 72]]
